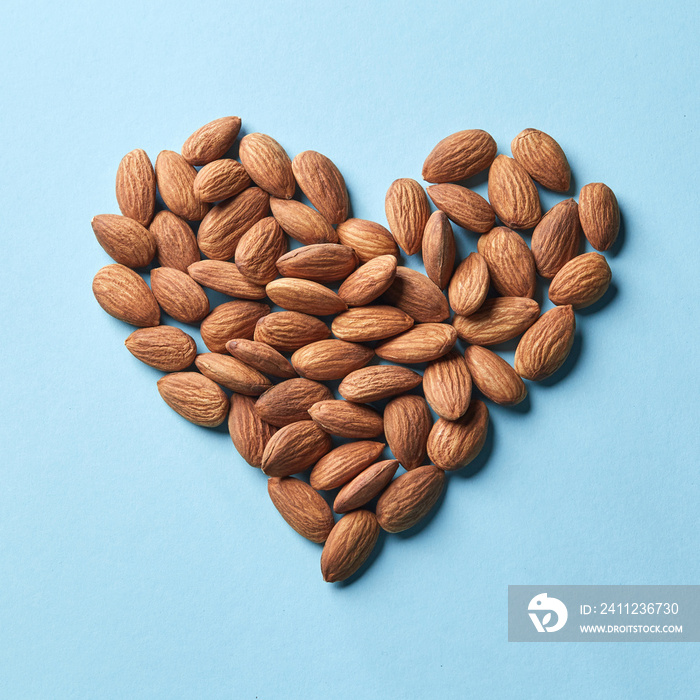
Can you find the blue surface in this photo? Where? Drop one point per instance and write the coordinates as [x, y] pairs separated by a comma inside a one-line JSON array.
[[140, 557]]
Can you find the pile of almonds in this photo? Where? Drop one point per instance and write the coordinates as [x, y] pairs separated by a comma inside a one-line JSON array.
[[280, 415]]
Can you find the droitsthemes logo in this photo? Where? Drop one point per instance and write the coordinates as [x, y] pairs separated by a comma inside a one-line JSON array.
[[543, 604]]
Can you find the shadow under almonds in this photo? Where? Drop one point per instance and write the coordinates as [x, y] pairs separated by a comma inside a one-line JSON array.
[[479, 462], [609, 295], [568, 366], [367, 564], [424, 522], [523, 407]]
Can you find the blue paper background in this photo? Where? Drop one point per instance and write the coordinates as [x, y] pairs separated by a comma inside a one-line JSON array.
[[140, 557]]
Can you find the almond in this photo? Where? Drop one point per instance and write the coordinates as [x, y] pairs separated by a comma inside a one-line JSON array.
[[510, 262], [344, 463], [366, 323], [369, 281], [288, 331], [497, 321], [225, 224], [453, 444], [407, 211], [599, 214], [330, 359], [422, 343], [464, 206], [556, 239], [290, 401], [259, 248], [268, 165], [164, 347], [179, 295], [175, 242], [175, 178], [211, 141], [220, 180], [439, 249], [321, 262], [196, 398], [234, 319], [407, 424], [305, 296], [295, 448], [303, 508], [322, 184], [378, 382], [543, 159], [123, 294], [412, 292], [225, 277], [136, 187], [262, 357], [448, 386], [124, 239], [408, 499], [367, 238], [249, 433], [513, 194], [469, 285], [546, 345], [232, 373], [365, 486], [581, 282], [347, 419], [494, 377], [302, 223], [349, 545], [459, 156]]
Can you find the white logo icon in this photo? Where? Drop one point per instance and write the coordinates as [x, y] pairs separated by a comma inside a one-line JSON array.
[[542, 603]]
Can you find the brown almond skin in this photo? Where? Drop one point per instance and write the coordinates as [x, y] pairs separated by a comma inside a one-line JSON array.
[[136, 187], [268, 165], [302, 223], [460, 156], [494, 377], [225, 277], [164, 347], [346, 419], [122, 293], [344, 463], [321, 262], [211, 141], [232, 373], [556, 239], [288, 331], [294, 448], [366, 323], [262, 357], [378, 382], [510, 262], [305, 296], [453, 444], [220, 180], [367, 238], [407, 211], [175, 178], [545, 346], [195, 397], [369, 281], [407, 424], [259, 248], [464, 206], [330, 359], [349, 545], [497, 320], [469, 285], [365, 486], [234, 319], [175, 242], [513, 194], [303, 508], [179, 295], [422, 343], [599, 214], [448, 386], [581, 282], [225, 224], [289, 402], [439, 249], [126, 241], [543, 158], [412, 292], [249, 433], [409, 498], [324, 186]]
